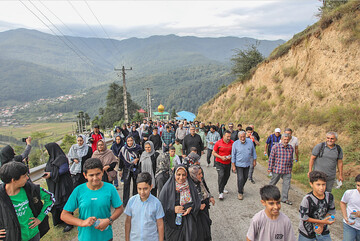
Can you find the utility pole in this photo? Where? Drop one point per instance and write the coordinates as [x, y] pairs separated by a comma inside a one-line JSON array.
[[126, 113], [148, 101]]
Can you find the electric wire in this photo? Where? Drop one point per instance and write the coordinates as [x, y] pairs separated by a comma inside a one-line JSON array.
[[54, 32]]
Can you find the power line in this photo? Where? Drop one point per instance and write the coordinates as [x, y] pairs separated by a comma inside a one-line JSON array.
[[53, 32], [88, 46], [77, 12]]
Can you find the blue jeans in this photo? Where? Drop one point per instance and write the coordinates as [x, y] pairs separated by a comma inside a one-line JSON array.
[[350, 233], [318, 238]]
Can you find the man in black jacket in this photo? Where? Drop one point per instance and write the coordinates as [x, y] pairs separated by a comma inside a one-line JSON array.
[[22, 214], [156, 139], [192, 140]]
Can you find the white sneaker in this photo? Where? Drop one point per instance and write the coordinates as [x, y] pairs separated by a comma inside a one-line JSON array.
[[207, 165], [221, 196], [226, 191]]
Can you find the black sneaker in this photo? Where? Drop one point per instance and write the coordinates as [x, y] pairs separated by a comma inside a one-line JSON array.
[[252, 181], [68, 228]]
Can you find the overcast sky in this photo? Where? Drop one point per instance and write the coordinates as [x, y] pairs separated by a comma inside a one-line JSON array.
[[124, 19]]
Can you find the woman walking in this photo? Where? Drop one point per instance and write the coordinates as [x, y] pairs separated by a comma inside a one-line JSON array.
[[147, 163], [108, 160]]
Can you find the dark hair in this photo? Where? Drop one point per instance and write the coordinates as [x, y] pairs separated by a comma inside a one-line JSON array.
[[177, 140], [357, 178], [212, 127], [270, 192], [155, 128], [144, 177], [12, 170], [249, 128], [92, 163], [288, 129], [227, 132], [193, 148], [316, 175], [96, 126], [239, 125], [171, 148]]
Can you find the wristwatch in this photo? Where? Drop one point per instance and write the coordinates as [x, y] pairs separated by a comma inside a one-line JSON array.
[[111, 221]]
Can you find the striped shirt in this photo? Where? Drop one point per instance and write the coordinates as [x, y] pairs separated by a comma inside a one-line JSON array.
[[212, 137], [281, 159], [168, 137]]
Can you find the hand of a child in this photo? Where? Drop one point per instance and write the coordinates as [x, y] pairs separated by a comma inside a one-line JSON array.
[[179, 209], [35, 222], [202, 206], [327, 220], [2, 233], [103, 224], [320, 229], [212, 200], [347, 221], [187, 211], [88, 222]]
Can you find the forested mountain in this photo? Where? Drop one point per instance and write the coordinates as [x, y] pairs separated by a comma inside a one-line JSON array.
[[37, 65]]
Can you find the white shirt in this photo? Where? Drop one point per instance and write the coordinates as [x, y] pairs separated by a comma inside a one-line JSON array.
[[352, 198]]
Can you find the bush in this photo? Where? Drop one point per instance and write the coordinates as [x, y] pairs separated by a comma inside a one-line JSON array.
[[319, 94], [290, 72], [276, 78]]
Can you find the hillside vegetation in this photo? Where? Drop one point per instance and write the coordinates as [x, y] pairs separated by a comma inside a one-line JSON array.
[[310, 84]]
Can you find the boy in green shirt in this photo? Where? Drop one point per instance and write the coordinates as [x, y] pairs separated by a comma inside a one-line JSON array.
[[178, 149], [20, 200]]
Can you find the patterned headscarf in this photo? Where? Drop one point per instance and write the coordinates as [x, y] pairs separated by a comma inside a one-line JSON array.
[[183, 189]]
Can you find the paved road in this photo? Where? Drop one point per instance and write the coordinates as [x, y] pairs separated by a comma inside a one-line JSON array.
[[231, 217]]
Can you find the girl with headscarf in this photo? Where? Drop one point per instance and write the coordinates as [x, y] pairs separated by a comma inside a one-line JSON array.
[[130, 156], [77, 155], [108, 160], [7, 154], [203, 219], [58, 180], [148, 163], [179, 196], [116, 147]]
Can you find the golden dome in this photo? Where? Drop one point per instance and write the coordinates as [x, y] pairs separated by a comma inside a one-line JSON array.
[[161, 108]]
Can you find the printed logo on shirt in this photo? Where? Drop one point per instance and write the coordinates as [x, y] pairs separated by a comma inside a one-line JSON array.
[[279, 236], [20, 208], [94, 198]]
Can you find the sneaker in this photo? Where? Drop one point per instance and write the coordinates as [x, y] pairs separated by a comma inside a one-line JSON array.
[[207, 165], [226, 191], [221, 196], [68, 228], [240, 196]]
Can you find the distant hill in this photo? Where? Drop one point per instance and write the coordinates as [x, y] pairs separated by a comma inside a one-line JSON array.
[[38, 65]]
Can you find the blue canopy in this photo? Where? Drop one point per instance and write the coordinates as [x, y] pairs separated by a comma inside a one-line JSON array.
[[186, 115]]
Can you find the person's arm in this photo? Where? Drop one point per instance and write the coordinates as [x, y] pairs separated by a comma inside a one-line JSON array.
[[106, 222], [254, 155], [69, 219], [27, 150], [271, 159], [266, 148], [320, 221], [112, 166], [340, 167], [128, 228], [311, 163], [49, 200], [344, 212], [297, 152], [160, 227]]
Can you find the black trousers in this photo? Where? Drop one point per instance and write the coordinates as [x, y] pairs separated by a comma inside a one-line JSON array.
[[208, 156], [223, 174], [127, 182], [242, 176]]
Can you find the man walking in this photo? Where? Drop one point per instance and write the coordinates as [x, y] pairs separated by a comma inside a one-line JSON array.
[[325, 157], [192, 140], [249, 134], [280, 165], [156, 139], [242, 154], [211, 138], [272, 140], [222, 152], [294, 143], [181, 132], [167, 138]]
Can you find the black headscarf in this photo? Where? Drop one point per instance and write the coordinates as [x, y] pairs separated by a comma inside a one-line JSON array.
[[6, 155], [167, 198]]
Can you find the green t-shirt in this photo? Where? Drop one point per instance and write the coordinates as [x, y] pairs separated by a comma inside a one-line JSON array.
[[95, 203], [172, 161], [24, 213], [178, 149]]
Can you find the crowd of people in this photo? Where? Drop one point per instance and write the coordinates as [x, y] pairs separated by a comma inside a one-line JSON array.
[[170, 199]]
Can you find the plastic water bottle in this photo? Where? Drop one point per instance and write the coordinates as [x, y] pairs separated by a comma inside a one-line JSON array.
[[296, 160], [178, 219], [352, 216], [270, 174], [317, 234], [332, 218], [97, 222]]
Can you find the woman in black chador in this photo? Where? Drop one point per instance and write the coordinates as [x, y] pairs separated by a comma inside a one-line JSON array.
[[58, 180], [179, 197]]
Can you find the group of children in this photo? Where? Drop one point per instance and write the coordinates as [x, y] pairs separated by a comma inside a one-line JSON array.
[[317, 211]]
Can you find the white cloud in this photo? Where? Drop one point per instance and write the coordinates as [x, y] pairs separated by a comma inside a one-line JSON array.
[[124, 19]]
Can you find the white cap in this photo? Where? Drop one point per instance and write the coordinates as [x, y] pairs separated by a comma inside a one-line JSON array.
[[277, 130]]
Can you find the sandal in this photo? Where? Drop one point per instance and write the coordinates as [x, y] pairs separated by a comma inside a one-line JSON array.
[[287, 202]]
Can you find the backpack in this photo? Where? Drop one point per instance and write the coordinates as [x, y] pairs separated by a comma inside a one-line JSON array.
[[322, 148]]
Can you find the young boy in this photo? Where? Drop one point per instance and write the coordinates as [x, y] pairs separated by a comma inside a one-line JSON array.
[[178, 148], [20, 200], [270, 224], [174, 159], [316, 209], [144, 213], [350, 202], [94, 200]]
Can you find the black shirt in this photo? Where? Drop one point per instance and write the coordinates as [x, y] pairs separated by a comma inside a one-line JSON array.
[[156, 140], [192, 141]]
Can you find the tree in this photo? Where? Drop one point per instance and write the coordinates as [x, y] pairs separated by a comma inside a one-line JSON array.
[[173, 114], [137, 117], [329, 5], [244, 61]]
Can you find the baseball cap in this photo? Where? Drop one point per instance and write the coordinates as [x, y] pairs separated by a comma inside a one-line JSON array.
[[277, 130]]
